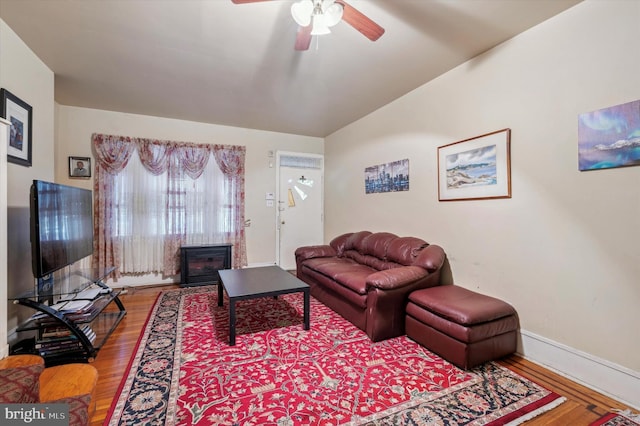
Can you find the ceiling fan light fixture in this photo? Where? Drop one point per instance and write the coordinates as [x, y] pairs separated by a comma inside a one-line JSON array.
[[332, 13], [322, 14], [302, 11], [320, 26]]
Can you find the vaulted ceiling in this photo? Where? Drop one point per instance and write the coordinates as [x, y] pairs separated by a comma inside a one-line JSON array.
[[214, 61]]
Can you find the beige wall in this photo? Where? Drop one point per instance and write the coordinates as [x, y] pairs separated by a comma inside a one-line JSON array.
[[75, 126], [28, 78], [564, 250]]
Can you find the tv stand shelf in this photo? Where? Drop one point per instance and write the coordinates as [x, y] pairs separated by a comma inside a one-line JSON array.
[[72, 335]]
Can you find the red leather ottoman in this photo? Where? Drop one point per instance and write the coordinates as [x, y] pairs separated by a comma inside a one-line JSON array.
[[464, 327]]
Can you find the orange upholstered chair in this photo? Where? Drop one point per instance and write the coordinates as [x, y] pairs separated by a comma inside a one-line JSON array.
[[24, 379]]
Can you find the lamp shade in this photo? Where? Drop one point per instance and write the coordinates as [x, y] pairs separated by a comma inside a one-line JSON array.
[[302, 11], [320, 26], [332, 12]]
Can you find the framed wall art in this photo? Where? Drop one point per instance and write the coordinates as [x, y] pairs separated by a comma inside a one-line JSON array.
[[609, 137], [19, 113], [389, 177], [80, 167], [476, 168]]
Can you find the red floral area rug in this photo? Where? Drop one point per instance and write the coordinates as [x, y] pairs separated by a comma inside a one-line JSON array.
[[184, 372], [618, 418]]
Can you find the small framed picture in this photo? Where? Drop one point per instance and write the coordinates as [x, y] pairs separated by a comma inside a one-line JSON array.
[[20, 114], [80, 167]]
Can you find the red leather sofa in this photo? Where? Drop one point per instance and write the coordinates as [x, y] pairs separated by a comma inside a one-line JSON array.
[[367, 277]]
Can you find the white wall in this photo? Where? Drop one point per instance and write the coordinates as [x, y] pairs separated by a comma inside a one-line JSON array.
[[28, 78], [564, 249], [76, 125]]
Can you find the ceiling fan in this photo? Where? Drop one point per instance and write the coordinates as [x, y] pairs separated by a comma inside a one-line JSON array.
[[316, 16]]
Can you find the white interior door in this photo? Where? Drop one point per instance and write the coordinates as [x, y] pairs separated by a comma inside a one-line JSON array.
[[299, 205]]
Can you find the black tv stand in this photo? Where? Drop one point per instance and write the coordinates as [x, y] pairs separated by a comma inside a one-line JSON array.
[[75, 327]]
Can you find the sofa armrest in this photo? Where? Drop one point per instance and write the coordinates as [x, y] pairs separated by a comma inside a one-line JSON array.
[[309, 252], [431, 258], [387, 295], [395, 278]]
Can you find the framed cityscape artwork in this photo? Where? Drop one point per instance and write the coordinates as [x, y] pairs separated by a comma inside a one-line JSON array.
[[389, 177]]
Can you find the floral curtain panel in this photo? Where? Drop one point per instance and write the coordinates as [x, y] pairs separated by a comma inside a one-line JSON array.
[[184, 164]]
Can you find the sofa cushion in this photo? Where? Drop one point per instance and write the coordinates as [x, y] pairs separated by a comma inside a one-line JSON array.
[[463, 333], [344, 271], [371, 249], [321, 285], [376, 244], [461, 305], [405, 250], [371, 261], [354, 242], [339, 242], [354, 278], [327, 264], [356, 257]]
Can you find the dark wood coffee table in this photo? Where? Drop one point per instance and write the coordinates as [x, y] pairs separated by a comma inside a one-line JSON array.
[[251, 283]]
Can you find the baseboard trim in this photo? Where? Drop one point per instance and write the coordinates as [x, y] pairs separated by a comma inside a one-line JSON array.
[[603, 376]]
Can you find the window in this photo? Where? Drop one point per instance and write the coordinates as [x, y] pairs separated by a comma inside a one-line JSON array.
[[173, 194]]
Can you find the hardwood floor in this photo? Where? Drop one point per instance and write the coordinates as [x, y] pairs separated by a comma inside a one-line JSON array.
[[582, 407]]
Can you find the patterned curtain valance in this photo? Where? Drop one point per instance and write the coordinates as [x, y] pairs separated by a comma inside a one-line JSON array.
[[113, 153]]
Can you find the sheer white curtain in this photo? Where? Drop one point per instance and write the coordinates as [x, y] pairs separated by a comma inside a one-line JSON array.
[[207, 209], [141, 200]]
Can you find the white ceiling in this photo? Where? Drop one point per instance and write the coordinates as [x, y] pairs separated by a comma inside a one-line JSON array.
[[217, 62]]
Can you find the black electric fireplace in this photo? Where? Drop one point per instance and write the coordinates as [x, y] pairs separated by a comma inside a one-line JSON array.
[[199, 265]]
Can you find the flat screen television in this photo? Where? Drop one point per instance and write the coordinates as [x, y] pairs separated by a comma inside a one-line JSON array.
[[61, 226]]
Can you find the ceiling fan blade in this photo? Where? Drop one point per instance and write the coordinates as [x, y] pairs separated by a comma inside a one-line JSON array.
[[246, 1], [360, 22], [303, 38]]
